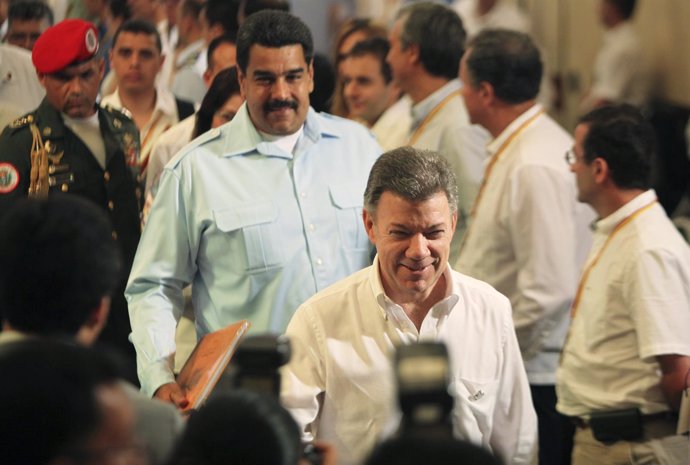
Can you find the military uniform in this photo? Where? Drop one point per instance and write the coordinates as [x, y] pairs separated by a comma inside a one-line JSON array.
[[73, 169]]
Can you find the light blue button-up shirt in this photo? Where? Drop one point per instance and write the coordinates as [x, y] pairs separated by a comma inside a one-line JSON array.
[[255, 229]]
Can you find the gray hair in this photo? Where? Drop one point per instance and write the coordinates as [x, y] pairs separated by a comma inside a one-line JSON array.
[[438, 32], [413, 174]]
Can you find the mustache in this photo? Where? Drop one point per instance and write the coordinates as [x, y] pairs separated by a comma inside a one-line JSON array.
[[278, 104]]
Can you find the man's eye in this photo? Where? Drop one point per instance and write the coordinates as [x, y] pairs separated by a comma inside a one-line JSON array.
[[398, 234]]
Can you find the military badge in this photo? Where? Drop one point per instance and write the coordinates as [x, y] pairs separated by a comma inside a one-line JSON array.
[[9, 178], [130, 147]]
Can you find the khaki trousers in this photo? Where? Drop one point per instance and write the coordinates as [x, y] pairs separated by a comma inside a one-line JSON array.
[[659, 445]]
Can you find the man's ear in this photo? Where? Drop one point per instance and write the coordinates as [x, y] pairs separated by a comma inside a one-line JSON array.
[[600, 170], [486, 92], [92, 327], [310, 71], [412, 53], [242, 79], [368, 219]]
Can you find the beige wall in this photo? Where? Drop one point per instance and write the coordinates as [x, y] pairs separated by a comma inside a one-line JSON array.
[[570, 34]]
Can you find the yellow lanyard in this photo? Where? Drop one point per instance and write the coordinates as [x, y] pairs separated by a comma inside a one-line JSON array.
[[490, 167], [593, 262], [418, 132]]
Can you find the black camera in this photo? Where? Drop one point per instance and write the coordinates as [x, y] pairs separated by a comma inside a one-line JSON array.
[[256, 364], [423, 377]]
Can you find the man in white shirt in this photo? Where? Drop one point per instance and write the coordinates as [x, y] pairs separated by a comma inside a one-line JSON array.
[[184, 81], [621, 72], [339, 382], [478, 15], [221, 55], [26, 21], [136, 58], [527, 235], [427, 42], [371, 95], [20, 91], [627, 358]]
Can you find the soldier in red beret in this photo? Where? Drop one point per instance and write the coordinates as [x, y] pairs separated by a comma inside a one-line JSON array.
[[70, 144]]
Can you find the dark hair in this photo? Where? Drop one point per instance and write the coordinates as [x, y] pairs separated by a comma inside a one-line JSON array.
[[625, 7], [379, 49], [29, 10], [192, 8], [222, 39], [139, 26], [364, 25], [50, 393], [249, 7], [437, 451], [224, 86], [509, 61], [438, 32], [224, 13], [119, 9], [272, 28], [239, 427], [413, 174], [57, 261], [620, 135]]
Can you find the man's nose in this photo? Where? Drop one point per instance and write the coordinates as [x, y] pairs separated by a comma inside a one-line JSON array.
[[280, 90], [418, 247], [75, 85]]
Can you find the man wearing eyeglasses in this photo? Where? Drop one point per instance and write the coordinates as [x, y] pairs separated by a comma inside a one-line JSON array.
[[627, 357], [527, 236]]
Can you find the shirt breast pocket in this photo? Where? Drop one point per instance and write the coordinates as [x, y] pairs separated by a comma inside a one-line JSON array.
[[477, 400], [348, 202], [253, 228]]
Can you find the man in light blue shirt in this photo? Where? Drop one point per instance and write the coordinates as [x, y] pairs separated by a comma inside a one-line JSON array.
[[258, 214]]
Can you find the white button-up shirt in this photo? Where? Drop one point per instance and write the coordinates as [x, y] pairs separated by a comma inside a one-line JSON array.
[[339, 384], [529, 236], [635, 305]]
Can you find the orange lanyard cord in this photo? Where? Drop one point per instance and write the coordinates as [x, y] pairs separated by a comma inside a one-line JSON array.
[[490, 167], [427, 119], [595, 260]]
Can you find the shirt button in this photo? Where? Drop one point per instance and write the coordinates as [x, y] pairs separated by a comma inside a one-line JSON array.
[[319, 262], [114, 235], [106, 176], [303, 195], [312, 227], [111, 205]]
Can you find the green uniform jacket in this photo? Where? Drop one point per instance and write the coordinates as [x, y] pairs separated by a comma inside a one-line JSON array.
[[77, 172]]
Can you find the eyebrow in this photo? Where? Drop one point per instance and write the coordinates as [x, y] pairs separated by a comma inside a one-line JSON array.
[[264, 73], [432, 227]]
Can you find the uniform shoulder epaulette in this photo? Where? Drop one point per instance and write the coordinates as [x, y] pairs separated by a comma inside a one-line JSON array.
[[118, 112], [22, 121], [119, 118]]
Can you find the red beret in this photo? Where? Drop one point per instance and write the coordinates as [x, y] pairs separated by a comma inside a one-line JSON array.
[[69, 41]]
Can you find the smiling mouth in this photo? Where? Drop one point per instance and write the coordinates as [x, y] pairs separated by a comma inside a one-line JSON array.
[[418, 267]]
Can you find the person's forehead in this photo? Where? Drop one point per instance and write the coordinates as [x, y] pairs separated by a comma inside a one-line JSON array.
[[287, 55], [139, 40], [224, 52], [368, 63], [40, 23], [77, 69]]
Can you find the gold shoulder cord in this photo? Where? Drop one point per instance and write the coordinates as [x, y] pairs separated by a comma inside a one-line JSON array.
[[38, 179]]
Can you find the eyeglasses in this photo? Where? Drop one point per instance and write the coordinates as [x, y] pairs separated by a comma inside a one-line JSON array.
[[570, 156]]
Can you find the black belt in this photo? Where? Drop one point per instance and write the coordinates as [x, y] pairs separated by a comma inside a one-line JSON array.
[[668, 415]]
